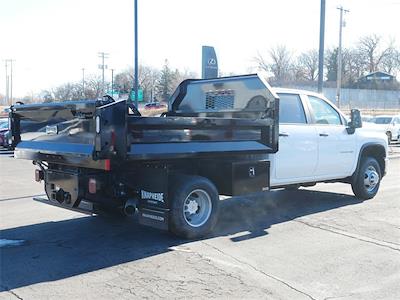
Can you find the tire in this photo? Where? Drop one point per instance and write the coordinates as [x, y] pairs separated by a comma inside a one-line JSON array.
[[294, 187], [365, 184], [194, 206]]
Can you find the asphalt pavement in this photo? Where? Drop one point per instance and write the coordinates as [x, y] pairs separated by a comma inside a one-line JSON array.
[[315, 243]]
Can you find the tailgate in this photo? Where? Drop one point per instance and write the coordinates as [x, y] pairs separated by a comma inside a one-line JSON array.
[[63, 132]]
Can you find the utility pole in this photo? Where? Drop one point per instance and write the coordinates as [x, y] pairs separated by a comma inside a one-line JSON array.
[[9, 81], [136, 55], [102, 66], [321, 47], [6, 65], [83, 83], [339, 66]]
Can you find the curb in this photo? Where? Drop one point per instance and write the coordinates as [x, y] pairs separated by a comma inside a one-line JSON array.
[[394, 156]]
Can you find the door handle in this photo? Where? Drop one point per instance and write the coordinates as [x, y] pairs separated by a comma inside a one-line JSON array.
[[323, 134], [285, 134]]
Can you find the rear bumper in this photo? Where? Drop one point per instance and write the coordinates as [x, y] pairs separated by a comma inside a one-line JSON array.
[[84, 207]]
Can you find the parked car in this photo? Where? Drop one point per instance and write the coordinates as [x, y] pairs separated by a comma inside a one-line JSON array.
[[154, 105], [389, 125], [3, 132], [366, 118]]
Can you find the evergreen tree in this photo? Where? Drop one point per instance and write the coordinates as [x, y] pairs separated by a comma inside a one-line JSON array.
[[331, 64], [165, 82]]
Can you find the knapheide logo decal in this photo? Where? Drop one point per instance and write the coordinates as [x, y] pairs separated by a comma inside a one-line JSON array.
[[152, 196]]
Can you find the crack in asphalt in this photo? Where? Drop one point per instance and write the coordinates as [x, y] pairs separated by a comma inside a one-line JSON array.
[[228, 274], [337, 297], [121, 288], [349, 235], [259, 271], [11, 292]]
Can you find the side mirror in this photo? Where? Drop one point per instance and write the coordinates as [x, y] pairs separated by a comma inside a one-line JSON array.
[[355, 121]]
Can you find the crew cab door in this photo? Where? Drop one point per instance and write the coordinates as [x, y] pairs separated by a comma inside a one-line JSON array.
[[336, 148], [296, 158]]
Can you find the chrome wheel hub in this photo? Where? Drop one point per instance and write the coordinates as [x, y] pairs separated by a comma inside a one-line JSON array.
[[371, 178], [197, 208], [192, 207]]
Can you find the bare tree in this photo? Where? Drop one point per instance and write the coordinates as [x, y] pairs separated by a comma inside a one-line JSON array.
[[370, 48], [94, 87], [391, 62], [307, 62], [279, 63], [148, 76], [262, 64]]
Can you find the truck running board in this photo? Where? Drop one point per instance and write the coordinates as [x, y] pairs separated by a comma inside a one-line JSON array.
[[84, 207]]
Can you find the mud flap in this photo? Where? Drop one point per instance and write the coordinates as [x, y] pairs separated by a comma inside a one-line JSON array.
[[152, 187]]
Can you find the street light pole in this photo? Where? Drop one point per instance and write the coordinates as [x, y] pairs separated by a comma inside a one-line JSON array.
[[339, 63], [136, 54], [321, 47]]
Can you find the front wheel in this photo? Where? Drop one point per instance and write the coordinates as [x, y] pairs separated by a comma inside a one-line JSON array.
[[365, 183], [194, 206]]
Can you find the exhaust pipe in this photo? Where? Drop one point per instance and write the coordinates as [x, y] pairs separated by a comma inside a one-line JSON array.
[[130, 207]]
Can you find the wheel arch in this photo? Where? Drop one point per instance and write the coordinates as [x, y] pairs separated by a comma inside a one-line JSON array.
[[376, 151]]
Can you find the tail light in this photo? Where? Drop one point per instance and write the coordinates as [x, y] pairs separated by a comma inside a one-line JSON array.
[[39, 175], [92, 186]]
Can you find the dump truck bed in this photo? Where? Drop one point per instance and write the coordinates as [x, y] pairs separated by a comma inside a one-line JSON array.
[[205, 118]]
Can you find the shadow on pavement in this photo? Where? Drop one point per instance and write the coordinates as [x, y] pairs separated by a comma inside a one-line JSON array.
[[58, 250]]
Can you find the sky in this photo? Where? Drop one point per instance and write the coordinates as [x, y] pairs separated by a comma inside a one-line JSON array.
[[52, 40]]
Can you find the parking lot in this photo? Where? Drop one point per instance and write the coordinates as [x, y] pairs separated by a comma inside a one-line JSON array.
[[315, 243]]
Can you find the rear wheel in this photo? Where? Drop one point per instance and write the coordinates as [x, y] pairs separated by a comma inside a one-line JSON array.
[[194, 206], [365, 183]]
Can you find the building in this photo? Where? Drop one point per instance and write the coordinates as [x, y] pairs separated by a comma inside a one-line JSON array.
[[376, 80]]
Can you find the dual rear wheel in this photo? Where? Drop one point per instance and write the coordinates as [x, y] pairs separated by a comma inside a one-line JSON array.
[[194, 206]]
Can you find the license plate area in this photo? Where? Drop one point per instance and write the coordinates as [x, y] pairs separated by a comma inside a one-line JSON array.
[[62, 188]]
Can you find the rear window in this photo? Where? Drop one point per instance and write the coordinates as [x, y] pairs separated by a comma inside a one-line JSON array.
[[291, 109]]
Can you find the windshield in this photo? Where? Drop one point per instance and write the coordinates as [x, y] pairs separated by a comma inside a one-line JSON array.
[[382, 120]]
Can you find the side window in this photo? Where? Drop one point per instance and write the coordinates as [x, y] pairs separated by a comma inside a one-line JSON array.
[[291, 109], [323, 112]]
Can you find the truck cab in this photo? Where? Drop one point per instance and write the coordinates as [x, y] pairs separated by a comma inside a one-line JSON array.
[[315, 144]]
